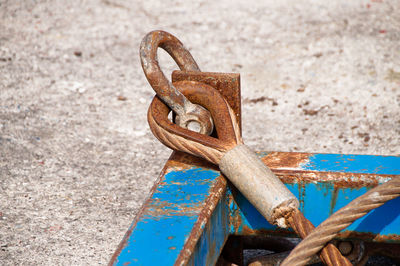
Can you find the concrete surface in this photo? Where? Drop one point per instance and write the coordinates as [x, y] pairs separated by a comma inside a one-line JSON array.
[[76, 155]]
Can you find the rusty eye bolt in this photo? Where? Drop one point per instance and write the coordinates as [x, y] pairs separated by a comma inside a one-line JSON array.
[[191, 116]]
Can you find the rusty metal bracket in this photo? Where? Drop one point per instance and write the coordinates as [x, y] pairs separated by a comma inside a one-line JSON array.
[[228, 84]]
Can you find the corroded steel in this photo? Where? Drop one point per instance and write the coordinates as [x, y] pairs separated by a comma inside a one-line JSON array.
[[228, 84], [197, 144], [341, 170], [189, 115], [263, 189]]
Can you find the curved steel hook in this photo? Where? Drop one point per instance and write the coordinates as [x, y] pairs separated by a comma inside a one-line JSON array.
[[189, 115]]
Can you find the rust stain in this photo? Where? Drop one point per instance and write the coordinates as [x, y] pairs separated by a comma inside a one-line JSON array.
[[302, 195], [181, 161], [333, 200], [211, 252], [157, 208], [261, 99], [370, 236], [216, 194], [228, 84], [281, 232], [337, 179], [343, 235], [283, 160], [235, 219]]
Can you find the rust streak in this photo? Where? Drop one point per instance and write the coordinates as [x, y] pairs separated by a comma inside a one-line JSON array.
[[369, 236], [285, 160], [338, 179], [139, 215], [216, 193]]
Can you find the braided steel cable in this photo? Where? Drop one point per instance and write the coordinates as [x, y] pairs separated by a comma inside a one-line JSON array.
[[328, 229], [178, 138], [214, 149], [329, 255], [181, 144]]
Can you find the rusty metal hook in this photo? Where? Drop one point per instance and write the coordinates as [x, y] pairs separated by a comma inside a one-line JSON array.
[[191, 116]]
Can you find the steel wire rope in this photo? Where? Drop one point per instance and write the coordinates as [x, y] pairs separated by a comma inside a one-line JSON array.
[[338, 221]]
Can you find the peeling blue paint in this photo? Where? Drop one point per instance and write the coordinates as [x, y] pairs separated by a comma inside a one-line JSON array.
[[213, 237], [167, 221], [185, 187]]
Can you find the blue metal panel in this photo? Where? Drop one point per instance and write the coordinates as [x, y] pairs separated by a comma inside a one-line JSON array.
[[187, 221], [347, 163], [383, 222], [156, 241], [213, 238], [167, 221], [319, 199]]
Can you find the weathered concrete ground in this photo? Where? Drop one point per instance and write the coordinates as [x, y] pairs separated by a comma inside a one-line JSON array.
[[76, 162]]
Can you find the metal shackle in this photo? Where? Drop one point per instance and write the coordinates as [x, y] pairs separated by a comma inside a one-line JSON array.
[[191, 116]]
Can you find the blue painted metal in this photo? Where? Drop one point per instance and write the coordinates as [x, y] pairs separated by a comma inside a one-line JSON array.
[[381, 224], [171, 213], [192, 211], [213, 237], [367, 164]]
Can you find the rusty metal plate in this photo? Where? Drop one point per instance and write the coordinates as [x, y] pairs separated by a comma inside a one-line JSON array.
[[228, 84]]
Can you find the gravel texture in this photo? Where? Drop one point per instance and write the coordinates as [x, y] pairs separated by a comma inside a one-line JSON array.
[[76, 156]]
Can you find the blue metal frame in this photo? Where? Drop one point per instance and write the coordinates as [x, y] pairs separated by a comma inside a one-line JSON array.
[[193, 210]]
